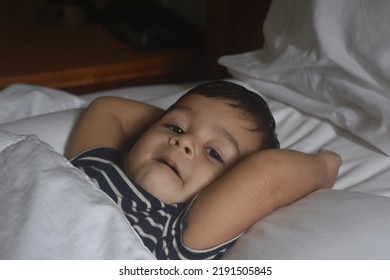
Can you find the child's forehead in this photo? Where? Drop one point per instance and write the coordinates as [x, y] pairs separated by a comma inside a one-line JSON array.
[[216, 106], [193, 101]]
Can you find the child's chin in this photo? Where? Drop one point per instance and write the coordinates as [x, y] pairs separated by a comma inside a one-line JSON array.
[[165, 188]]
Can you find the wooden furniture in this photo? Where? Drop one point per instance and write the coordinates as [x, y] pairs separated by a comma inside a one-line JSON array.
[[233, 26], [89, 58]]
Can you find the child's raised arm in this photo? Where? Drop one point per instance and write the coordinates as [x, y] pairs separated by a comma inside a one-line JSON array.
[[110, 122], [258, 185]]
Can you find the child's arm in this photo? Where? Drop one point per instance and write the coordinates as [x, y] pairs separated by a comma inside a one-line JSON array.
[[110, 122], [258, 185]]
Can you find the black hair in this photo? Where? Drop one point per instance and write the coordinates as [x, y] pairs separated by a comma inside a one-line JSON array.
[[246, 100]]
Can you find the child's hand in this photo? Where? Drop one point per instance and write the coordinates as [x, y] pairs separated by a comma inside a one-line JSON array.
[[332, 162]]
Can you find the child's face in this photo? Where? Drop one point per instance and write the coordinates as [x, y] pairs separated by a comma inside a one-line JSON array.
[[189, 147]]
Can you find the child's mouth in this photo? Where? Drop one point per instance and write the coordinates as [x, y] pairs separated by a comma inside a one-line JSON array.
[[171, 165]]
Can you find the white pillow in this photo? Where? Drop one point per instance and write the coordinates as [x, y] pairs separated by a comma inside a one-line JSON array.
[[328, 58], [53, 128], [327, 224], [19, 101]]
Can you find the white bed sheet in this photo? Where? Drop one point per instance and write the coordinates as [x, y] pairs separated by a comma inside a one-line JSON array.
[[328, 58], [364, 170], [51, 210]]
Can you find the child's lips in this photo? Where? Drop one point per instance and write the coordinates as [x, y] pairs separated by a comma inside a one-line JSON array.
[[171, 164]]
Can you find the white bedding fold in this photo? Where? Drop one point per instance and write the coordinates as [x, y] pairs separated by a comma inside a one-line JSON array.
[[327, 58], [50, 210]]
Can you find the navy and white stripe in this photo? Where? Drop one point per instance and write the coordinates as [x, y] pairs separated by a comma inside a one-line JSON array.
[[159, 225]]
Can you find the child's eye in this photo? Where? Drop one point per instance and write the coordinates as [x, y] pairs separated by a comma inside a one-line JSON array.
[[213, 154], [174, 128]]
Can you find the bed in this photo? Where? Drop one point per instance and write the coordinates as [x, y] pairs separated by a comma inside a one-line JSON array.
[[324, 70]]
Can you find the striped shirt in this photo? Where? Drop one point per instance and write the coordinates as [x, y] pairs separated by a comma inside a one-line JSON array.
[[159, 225]]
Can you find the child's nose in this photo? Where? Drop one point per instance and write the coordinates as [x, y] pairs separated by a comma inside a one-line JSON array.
[[184, 143]]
